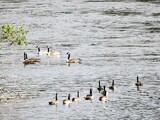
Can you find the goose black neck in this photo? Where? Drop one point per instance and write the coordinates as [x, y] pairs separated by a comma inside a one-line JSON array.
[[48, 49], [104, 93], [137, 79], [91, 92], [104, 88], [77, 93], [68, 56], [113, 83], [69, 97], [99, 83], [39, 49], [56, 97], [24, 56]]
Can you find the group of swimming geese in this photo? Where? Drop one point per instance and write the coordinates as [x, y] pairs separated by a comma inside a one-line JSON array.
[[49, 53], [89, 96]]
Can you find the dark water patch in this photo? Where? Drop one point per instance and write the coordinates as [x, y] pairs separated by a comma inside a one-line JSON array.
[[66, 12], [150, 59], [146, 23], [68, 45], [93, 44], [128, 46], [84, 12], [156, 14], [125, 28], [105, 0], [120, 13], [41, 14], [151, 1], [143, 0], [8, 8], [152, 54], [14, 1], [153, 29]]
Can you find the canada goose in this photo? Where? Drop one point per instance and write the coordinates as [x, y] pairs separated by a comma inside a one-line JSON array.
[[53, 52], [104, 97], [72, 60], [138, 83], [100, 87], [112, 87], [54, 101], [42, 52], [30, 60], [77, 98], [89, 96], [67, 101]]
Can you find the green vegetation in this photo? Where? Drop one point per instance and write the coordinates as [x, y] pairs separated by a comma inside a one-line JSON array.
[[13, 35]]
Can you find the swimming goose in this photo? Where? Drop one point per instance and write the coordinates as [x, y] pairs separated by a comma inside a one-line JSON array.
[[104, 97], [138, 83], [30, 60], [53, 52], [112, 87], [42, 52], [77, 98], [89, 96], [67, 101], [72, 60], [54, 101], [100, 87]]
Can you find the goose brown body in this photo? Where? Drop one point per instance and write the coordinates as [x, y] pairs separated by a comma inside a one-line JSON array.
[[30, 60]]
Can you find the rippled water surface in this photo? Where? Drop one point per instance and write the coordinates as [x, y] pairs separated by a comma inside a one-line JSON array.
[[115, 40]]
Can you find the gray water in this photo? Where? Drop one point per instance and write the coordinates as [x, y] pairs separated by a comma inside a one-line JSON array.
[[115, 40]]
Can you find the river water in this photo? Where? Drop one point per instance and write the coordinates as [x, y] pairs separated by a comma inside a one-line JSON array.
[[115, 40]]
